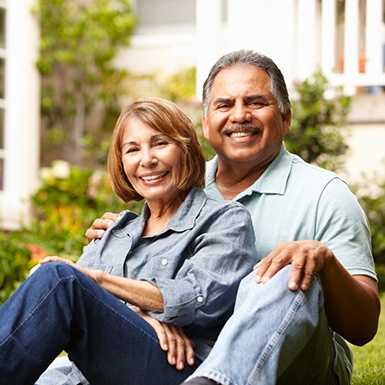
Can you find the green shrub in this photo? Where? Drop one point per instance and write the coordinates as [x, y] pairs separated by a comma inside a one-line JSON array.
[[15, 262], [65, 205], [374, 206], [318, 129]]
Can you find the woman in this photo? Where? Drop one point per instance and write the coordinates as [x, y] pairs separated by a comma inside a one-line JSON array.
[[179, 262]]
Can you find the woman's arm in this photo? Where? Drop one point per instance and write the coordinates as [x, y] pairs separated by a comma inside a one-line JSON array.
[[139, 293]]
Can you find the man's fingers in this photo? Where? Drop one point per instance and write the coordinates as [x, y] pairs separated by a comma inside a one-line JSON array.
[[100, 225], [110, 216]]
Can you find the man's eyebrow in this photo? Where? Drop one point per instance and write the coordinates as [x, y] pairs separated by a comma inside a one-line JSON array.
[[249, 98], [222, 100]]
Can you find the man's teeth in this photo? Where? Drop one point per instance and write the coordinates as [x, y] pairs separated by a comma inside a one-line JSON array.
[[153, 177], [239, 134]]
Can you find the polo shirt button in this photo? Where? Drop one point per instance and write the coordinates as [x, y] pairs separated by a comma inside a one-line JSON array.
[[200, 299], [164, 262]]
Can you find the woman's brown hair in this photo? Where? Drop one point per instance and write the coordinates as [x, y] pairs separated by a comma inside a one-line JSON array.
[[167, 118]]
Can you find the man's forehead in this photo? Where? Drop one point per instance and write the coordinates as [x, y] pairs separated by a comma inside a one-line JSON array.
[[242, 77], [233, 84]]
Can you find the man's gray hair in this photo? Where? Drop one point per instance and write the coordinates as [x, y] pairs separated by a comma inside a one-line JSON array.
[[277, 82]]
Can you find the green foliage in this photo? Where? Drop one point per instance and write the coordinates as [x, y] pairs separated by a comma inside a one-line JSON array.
[[317, 131], [374, 207], [14, 262], [80, 85], [65, 205], [181, 86]]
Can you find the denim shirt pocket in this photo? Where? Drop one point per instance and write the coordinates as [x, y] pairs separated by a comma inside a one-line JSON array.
[[163, 266], [107, 268]]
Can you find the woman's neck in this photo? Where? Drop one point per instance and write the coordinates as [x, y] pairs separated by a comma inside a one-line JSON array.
[[161, 214]]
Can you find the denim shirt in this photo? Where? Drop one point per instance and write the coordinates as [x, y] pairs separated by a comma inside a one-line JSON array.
[[196, 262]]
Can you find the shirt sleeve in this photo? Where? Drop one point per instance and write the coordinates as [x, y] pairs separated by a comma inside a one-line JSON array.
[[344, 228]]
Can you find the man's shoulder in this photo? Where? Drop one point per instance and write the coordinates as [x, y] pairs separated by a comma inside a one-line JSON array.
[[310, 172]]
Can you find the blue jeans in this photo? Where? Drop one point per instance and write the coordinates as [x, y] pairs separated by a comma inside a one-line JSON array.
[[275, 336], [59, 308]]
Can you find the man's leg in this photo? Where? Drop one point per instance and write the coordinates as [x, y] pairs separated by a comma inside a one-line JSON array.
[[269, 329], [59, 308]]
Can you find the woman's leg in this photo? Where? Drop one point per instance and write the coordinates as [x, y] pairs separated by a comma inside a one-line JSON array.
[[59, 308]]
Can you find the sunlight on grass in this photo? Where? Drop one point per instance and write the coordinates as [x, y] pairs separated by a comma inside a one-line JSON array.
[[369, 360]]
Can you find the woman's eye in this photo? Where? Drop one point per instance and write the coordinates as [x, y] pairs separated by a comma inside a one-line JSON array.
[[161, 143], [131, 150]]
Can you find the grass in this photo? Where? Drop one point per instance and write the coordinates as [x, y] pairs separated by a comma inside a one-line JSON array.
[[369, 360]]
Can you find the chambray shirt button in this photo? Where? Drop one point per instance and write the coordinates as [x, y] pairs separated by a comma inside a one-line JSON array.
[[200, 299], [164, 262]]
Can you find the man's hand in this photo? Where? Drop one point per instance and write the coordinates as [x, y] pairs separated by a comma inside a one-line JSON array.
[[100, 226], [179, 347], [306, 258]]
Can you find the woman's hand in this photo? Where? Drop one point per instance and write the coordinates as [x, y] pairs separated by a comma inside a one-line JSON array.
[[306, 257], [179, 347], [48, 259]]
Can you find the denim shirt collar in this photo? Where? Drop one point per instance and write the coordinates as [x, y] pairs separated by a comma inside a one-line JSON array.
[[182, 220], [272, 181]]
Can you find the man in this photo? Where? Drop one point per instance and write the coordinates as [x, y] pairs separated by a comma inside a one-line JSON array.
[[290, 323]]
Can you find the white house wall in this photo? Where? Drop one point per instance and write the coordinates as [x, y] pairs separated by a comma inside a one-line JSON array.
[[298, 34], [22, 109]]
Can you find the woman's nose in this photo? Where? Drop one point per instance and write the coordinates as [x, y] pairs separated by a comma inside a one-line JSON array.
[[148, 158]]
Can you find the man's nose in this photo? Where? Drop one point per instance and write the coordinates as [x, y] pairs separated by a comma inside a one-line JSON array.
[[241, 113]]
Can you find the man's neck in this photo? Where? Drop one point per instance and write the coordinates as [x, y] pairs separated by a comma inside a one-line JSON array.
[[232, 181]]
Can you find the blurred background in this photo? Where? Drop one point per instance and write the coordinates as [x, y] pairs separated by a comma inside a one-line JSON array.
[[68, 66]]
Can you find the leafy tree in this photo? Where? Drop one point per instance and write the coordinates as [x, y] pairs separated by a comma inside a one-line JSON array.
[[318, 130], [80, 85], [373, 203], [180, 86]]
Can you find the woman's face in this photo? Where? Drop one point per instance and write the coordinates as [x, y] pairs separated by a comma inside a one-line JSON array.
[[151, 162]]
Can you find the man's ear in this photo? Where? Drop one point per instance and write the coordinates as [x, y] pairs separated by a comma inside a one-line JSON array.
[[206, 131], [286, 120]]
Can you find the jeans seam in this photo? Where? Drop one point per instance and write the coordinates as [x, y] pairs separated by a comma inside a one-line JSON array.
[[277, 335], [31, 314]]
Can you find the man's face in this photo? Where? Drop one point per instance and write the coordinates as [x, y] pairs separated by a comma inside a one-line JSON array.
[[244, 123]]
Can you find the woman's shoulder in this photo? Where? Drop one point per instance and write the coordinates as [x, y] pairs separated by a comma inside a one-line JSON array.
[[225, 205]]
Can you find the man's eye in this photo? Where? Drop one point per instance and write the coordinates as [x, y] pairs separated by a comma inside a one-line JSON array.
[[223, 107], [256, 104]]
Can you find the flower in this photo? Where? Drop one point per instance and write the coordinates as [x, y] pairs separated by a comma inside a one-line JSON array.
[[61, 169], [37, 252]]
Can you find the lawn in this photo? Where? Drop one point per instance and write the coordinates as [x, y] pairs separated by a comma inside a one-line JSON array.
[[369, 360]]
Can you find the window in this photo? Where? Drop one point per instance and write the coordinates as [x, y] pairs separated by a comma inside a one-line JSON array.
[[2, 94], [2, 27], [168, 15], [165, 12]]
